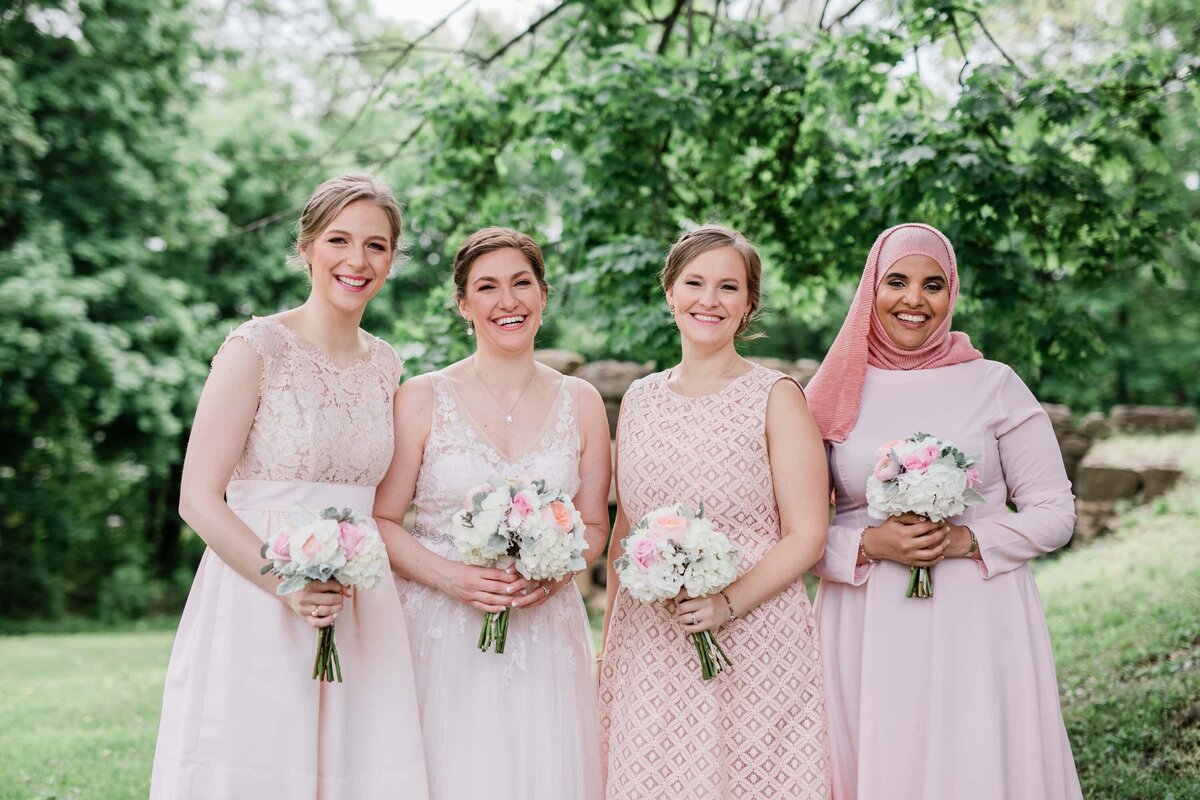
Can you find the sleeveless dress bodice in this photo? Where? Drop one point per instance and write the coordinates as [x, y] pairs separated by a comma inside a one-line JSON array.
[[758, 729], [523, 723], [242, 716]]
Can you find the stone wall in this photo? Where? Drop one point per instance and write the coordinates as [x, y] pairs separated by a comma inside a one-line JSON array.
[[1098, 485]]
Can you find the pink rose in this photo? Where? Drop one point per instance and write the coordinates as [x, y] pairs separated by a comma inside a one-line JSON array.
[[973, 478], [932, 454], [645, 553], [885, 450], [914, 462], [558, 517], [669, 527], [886, 469], [281, 548], [483, 488], [349, 538], [519, 509]]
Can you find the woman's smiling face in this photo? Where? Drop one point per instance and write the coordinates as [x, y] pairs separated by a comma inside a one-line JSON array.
[[912, 301]]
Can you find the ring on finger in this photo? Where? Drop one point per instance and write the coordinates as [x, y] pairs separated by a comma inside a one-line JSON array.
[[545, 590], [316, 611], [694, 620]]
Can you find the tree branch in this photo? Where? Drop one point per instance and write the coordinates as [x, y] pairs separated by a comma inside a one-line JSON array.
[[979, 21], [848, 13], [668, 25], [962, 84], [504, 48], [378, 82]]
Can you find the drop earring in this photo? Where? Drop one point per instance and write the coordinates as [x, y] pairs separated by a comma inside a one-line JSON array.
[[470, 328]]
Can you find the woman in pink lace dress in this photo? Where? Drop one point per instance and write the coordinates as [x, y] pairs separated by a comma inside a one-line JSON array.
[[297, 410], [952, 696], [522, 724], [737, 437]]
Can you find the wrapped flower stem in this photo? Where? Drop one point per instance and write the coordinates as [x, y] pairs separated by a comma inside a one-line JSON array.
[[713, 658], [494, 631], [327, 666], [920, 582]]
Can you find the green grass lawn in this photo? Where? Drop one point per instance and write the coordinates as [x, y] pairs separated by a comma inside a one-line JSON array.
[[1124, 616], [78, 712]]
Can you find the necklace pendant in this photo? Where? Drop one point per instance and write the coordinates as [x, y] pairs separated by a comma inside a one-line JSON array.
[[508, 420]]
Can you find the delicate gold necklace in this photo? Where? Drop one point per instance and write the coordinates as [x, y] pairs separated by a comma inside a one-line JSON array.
[[508, 419]]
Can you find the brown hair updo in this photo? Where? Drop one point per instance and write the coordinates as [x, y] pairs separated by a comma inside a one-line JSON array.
[[332, 196], [489, 240], [691, 245]]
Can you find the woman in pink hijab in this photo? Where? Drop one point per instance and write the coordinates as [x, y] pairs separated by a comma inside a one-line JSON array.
[[952, 696]]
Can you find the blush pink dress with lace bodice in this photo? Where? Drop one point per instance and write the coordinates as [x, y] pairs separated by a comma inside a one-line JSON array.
[[754, 731], [242, 716], [517, 725]]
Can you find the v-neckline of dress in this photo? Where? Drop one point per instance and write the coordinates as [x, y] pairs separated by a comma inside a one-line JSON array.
[[551, 417]]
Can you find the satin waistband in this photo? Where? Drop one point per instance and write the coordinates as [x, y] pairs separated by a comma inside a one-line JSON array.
[[283, 495]]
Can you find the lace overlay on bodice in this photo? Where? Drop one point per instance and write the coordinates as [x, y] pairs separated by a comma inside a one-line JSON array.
[[757, 730], [459, 457], [317, 421]]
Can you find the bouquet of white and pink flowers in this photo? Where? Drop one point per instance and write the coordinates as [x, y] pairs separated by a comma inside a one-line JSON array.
[[926, 476], [511, 521], [676, 547], [342, 545]]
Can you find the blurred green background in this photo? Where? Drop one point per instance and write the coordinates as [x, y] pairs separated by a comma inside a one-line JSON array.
[[154, 155]]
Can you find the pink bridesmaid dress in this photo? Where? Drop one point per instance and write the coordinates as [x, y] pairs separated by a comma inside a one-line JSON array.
[[242, 716], [757, 730], [517, 725], [954, 696]]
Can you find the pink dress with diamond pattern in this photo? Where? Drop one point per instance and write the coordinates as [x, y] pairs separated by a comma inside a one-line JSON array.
[[756, 731]]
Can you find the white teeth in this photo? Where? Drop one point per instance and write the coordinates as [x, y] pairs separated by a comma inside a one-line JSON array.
[[352, 282], [510, 320], [706, 318], [912, 317]]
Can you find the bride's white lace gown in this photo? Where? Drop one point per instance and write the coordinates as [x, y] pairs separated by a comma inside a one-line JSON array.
[[524, 723]]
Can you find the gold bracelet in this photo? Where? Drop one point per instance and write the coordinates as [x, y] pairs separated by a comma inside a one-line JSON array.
[[729, 603], [974, 548], [862, 549]]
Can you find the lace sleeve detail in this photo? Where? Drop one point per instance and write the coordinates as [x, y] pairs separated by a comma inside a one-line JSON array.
[[395, 365], [266, 341]]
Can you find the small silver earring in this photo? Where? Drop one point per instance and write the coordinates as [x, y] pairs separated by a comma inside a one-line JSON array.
[[672, 308], [470, 328]]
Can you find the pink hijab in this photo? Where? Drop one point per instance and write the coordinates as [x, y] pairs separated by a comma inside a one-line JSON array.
[[835, 392]]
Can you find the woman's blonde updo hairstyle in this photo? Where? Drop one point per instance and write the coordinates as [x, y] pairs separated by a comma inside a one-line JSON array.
[[691, 245], [489, 240], [332, 196]]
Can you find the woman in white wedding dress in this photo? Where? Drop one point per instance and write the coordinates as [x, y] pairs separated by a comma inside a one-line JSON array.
[[522, 723]]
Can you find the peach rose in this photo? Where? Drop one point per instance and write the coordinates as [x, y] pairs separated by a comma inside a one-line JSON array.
[[558, 517], [669, 527]]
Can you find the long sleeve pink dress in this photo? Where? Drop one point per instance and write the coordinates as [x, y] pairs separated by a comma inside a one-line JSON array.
[[242, 716], [954, 696]]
